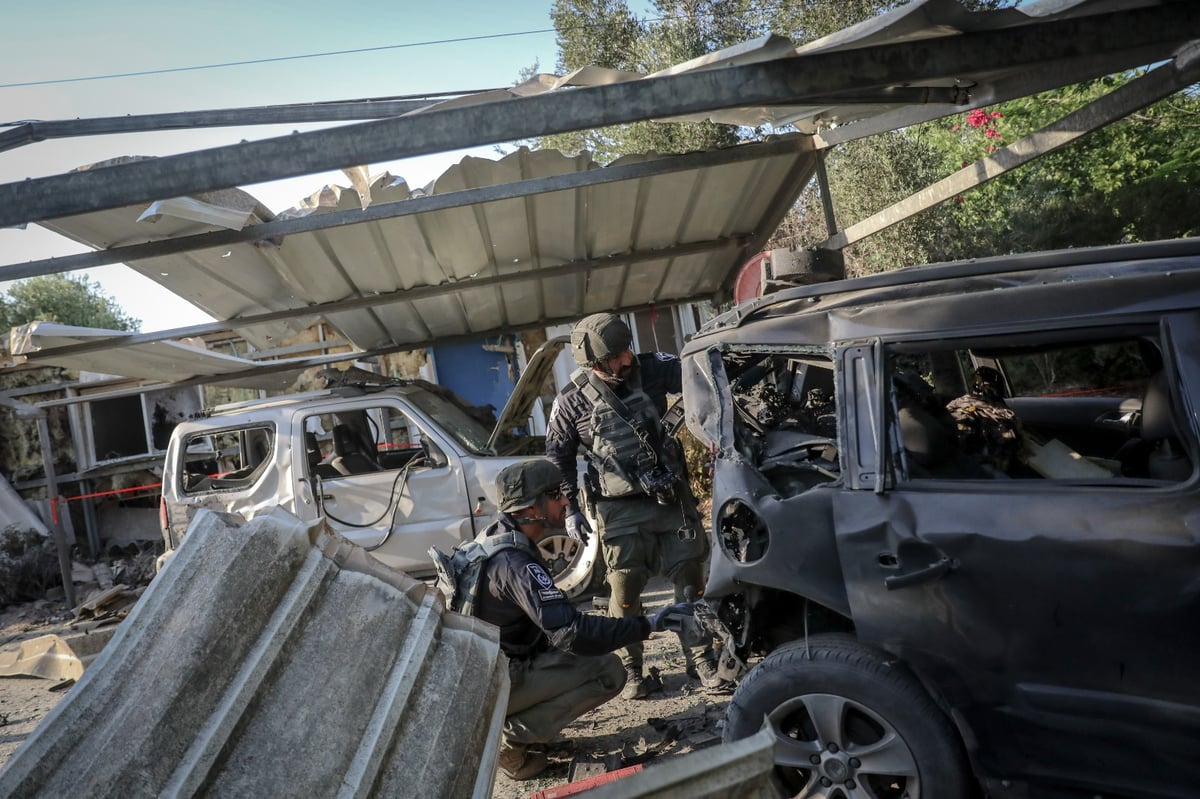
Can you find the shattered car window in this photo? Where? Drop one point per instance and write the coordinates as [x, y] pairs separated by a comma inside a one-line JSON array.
[[229, 460], [785, 416], [466, 430], [1082, 409]]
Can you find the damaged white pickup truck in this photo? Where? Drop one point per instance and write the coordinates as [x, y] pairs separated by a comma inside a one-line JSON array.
[[396, 466]]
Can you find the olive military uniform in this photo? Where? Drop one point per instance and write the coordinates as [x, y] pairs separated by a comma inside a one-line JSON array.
[[641, 536]]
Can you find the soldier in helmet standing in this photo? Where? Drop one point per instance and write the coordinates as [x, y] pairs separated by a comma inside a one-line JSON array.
[[559, 660], [648, 523]]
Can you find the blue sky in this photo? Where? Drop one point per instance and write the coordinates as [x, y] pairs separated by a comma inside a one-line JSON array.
[[63, 39]]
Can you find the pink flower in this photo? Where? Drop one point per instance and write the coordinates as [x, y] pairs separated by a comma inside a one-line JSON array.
[[954, 127], [977, 118], [992, 133], [997, 115]]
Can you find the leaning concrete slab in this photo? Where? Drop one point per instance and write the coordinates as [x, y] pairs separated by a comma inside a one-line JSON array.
[[274, 659]]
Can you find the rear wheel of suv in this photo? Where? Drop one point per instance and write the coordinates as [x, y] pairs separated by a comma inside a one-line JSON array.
[[848, 723]]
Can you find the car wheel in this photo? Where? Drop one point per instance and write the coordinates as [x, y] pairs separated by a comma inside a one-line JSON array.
[[571, 565], [848, 723]]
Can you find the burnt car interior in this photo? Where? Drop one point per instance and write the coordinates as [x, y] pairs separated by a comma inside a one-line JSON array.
[[1088, 405], [785, 416]]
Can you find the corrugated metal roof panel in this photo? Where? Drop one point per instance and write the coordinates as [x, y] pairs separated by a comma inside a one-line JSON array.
[[516, 238], [270, 660], [496, 265]]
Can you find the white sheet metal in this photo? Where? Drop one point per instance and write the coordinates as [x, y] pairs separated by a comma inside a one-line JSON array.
[[165, 361]]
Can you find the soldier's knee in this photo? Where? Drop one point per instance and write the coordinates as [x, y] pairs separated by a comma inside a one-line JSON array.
[[612, 677]]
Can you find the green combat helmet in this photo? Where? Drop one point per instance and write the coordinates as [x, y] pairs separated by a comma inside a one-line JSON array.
[[599, 336], [521, 484]]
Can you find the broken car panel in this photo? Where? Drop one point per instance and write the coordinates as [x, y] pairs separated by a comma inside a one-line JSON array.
[[983, 474]]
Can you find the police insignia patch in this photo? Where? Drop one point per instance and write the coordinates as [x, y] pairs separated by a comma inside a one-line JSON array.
[[539, 575]]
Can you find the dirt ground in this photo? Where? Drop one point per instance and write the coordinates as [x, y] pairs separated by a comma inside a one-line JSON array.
[[680, 719], [25, 700]]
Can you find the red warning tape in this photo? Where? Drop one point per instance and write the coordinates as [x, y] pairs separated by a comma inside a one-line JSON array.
[[113, 492]]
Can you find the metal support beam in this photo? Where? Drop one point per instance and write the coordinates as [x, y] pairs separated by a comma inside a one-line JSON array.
[[783, 81], [403, 295], [826, 196], [35, 130], [278, 228], [1151, 87], [1044, 77]]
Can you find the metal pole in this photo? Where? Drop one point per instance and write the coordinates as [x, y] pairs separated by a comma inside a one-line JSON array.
[[60, 535]]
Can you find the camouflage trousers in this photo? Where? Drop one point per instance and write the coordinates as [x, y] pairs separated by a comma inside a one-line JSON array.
[[642, 538]]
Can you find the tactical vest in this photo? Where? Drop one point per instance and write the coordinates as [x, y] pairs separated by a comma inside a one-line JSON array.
[[458, 574], [624, 443]]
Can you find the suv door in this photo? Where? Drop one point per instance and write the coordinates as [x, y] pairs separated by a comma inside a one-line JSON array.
[[402, 491], [1055, 616]]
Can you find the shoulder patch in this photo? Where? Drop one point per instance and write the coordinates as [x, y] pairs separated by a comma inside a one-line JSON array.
[[539, 575], [547, 591]]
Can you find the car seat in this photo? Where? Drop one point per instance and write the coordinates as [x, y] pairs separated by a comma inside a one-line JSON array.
[[312, 450], [1166, 459], [351, 455]]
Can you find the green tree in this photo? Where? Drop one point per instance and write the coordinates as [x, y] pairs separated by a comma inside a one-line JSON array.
[[1132, 180], [68, 300]]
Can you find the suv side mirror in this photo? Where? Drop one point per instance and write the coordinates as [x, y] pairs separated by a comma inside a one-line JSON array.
[[433, 454]]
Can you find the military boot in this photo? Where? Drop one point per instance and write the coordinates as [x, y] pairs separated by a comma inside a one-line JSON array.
[[704, 668], [518, 763], [637, 686]]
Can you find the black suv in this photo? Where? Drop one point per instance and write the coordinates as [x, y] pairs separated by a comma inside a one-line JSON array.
[[956, 522]]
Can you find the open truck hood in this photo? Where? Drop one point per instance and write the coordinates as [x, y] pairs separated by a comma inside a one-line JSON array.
[[520, 404]]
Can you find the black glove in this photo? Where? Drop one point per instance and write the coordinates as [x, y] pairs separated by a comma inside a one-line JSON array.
[[672, 617]]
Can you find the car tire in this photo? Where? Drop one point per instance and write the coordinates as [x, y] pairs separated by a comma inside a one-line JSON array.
[[572, 565], [849, 721]]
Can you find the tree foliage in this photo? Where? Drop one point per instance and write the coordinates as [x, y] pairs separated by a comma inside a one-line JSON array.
[[68, 300], [1132, 180]]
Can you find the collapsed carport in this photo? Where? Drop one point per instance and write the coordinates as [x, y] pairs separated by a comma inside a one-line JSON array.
[[539, 238]]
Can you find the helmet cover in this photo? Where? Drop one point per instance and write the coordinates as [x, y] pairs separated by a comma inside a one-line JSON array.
[[520, 485], [599, 336]]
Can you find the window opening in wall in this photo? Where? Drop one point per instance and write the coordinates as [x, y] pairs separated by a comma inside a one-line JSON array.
[[118, 428]]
